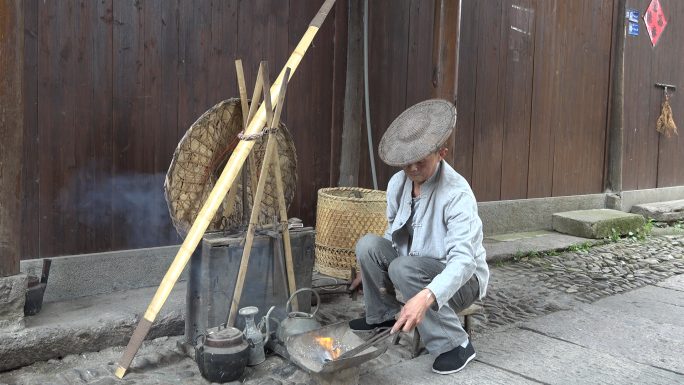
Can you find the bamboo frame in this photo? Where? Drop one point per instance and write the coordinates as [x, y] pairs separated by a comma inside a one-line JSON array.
[[214, 200], [271, 152]]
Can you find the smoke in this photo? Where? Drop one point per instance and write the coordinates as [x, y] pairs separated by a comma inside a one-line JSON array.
[[126, 210]]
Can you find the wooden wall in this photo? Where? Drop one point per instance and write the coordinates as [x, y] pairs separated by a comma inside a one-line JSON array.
[[533, 88], [532, 101], [651, 160], [111, 87]]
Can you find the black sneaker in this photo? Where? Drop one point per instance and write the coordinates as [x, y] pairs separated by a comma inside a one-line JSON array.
[[454, 360], [360, 325]]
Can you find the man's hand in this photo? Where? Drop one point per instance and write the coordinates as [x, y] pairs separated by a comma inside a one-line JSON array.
[[357, 282], [414, 311]]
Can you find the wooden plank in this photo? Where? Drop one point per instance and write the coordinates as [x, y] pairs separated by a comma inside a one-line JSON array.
[[339, 89], [353, 99], [467, 88], [549, 50], [169, 129], [65, 222], [157, 228], [445, 48], [312, 90], [50, 121], [30, 160], [11, 133], [634, 61], [221, 72], [84, 188], [420, 37], [486, 182], [102, 93], [644, 139], [128, 72], [670, 70], [598, 92], [572, 63], [614, 144], [518, 97]]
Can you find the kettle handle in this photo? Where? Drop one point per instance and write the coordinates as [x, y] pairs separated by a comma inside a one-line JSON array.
[[265, 320], [318, 299], [200, 346]]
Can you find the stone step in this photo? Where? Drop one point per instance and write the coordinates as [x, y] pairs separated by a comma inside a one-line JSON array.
[[670, 211], [596, 223]]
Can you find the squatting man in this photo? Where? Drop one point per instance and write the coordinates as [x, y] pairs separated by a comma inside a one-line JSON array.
[[432, 250]]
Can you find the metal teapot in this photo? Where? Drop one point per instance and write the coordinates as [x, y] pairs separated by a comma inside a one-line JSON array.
[[222, 354], [298, 322]]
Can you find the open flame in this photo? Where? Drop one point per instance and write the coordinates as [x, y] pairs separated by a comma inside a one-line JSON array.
[[327, 343]]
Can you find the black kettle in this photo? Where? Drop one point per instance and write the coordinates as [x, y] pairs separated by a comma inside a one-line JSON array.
[[221, 354]]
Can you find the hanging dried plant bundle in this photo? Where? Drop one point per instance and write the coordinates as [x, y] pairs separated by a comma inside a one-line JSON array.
[[666, 125]]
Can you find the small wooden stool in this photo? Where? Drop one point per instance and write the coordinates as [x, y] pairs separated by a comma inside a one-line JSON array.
[[415, 342]]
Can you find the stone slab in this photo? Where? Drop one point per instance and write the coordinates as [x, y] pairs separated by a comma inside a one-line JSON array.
[[89, 324], [506, 246], [622, 330], [101, 273], [552, 361], [509, 216], [654, 295], [662, 194], [660, 305], [670, 211], [419, 371], [12, 299], [596, 223], [674, 283]]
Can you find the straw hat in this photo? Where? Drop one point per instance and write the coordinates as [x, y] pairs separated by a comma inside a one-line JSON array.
[[417, 132]]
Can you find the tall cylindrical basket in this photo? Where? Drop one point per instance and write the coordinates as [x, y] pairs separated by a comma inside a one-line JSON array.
[[344, 215]]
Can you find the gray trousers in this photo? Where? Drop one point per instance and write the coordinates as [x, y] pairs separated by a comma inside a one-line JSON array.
[[381, 266]]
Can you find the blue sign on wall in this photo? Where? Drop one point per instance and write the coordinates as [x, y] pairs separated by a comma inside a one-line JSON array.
[[634, 29], [633, 15]]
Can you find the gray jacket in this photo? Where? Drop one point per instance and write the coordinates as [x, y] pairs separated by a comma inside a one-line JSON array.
[[446, 227]]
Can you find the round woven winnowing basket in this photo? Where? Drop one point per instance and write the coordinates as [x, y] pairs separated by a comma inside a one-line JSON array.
[[202, 155], [341, 220]]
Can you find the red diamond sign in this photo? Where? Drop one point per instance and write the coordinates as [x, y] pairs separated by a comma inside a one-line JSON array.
[[655, 21]]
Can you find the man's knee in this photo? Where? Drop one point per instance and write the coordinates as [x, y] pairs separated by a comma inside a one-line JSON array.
[[366, 245], [403, 268]]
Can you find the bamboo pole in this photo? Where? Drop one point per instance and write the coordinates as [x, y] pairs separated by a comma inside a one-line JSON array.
[[286, 233], [237, 159], [242, 86]]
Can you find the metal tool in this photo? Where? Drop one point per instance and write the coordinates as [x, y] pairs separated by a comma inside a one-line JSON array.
[[316, 351]]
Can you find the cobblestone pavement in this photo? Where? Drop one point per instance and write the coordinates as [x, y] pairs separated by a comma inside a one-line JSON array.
[[533, 286]]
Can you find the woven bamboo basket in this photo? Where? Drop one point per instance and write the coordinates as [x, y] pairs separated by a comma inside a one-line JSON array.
[[342, 219], [200, 158]]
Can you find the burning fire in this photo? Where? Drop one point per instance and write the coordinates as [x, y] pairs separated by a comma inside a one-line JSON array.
[[327, 343]]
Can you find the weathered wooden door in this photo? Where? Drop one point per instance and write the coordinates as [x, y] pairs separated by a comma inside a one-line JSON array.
[[650, 159]]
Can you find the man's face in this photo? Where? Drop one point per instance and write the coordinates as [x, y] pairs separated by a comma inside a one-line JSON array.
[[423, 169]]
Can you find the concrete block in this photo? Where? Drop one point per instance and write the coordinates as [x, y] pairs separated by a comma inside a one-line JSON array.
[[596, 223], [502, 217], [85, 275], [12, 299], [89, 325], [662, 194], [504, 247], [671, 211]]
